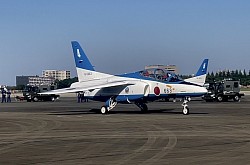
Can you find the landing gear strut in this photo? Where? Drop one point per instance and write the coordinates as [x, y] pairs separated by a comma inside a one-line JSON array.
[[110, 104], [142, 106], [185, 110]]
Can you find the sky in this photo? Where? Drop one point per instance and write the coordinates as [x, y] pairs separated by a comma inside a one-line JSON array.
[[122, 36]]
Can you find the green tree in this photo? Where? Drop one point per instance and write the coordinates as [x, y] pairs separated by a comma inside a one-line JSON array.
[[212, 74], [66, 83], [244, 73], [228, 74]]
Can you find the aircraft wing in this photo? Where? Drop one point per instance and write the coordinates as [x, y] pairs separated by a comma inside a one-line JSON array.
[[84, 88]]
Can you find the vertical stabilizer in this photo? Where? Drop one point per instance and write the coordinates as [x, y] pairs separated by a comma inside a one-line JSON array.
[[201, 74], [85, 70], [81, 60], [203, 68]]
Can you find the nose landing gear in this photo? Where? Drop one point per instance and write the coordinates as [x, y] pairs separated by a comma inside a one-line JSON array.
[[185, 110]]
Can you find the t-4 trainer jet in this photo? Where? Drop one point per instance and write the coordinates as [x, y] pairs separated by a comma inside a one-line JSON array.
[[138, 87]]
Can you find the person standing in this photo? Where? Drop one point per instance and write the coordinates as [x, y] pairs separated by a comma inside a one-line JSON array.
[[82, 97], [79, 97], [3, 95], [8, 96], [86, 99]]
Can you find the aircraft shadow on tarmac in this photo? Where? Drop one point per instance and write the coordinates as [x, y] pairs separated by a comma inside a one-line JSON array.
[[97, 111]]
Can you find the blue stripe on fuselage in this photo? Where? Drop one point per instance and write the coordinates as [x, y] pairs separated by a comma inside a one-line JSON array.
[[119, 98], [150, 97]]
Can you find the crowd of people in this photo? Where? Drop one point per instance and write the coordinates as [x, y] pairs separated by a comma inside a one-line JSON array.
[[81, 98], [6, 93]]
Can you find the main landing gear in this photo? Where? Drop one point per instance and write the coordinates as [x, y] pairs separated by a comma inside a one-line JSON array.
[[185, 110], [142, 106], [110, 104]]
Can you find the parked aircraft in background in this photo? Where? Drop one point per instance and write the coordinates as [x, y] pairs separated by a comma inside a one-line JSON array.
[[138, 87]]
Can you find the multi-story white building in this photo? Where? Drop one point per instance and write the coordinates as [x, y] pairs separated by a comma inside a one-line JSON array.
[[57, 74]]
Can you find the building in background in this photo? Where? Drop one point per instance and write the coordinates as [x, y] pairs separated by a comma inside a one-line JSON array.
[[57, 74], [34, 80], [169, 68]]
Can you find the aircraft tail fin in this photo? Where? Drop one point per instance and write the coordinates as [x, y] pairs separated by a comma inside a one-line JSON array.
[[203, 68], [85, 70], [81, 60], [200, 76]]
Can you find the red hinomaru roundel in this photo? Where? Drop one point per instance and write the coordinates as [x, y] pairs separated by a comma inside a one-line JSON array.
[[157, 91]]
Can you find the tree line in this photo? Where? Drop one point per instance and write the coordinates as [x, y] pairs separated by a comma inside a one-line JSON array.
[[243, 76], [65, 83]]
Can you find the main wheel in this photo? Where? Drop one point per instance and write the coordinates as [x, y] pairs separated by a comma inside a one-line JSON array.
[[185, 111], [104, 110], [219, 98], [35, 99], [236, 98]]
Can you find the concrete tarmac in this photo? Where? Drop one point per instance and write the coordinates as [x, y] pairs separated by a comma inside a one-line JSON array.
[[66, 132]]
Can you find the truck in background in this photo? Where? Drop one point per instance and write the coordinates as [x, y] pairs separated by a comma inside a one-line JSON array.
[[30, 93], [224, 90]]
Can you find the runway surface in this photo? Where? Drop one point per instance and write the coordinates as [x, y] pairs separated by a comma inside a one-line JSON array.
[[66, 132]]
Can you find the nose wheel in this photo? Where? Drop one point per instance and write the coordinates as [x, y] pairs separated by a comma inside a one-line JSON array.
[[185, 110]]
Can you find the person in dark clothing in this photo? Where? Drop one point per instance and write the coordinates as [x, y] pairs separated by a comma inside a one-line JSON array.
[[79, 97], [8, 96], [3, 96], [84, 98]]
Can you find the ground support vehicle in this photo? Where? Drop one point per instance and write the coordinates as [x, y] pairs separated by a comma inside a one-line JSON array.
[[31, 93], [224, 90]]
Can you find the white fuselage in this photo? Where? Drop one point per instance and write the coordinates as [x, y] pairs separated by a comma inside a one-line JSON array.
[[140, 88]]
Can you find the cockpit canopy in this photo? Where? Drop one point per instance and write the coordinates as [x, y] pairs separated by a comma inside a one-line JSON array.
[[160, 75]]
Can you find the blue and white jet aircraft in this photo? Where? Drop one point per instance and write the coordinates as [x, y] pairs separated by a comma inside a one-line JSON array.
[[138, 87]]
